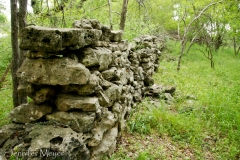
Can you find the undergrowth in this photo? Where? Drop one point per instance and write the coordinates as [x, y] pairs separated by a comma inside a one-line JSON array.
[[205, 113]]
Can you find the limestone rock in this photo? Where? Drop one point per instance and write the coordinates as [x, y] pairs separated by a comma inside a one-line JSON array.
[[113, 93], [87, 24], [106, 33], [116, 36], [96, 57], [154, 90], [78, 121], [66, 102], [44, 94], [108, 120], [121, 76], [62, 140], [170, 89], [58, 71], [8, 130], [43, 39], [84, 90], [107, 145], [30, 112], [109, 74]]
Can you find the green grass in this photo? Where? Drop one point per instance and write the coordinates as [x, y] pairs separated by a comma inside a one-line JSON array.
[[212, 125], [6, 89]]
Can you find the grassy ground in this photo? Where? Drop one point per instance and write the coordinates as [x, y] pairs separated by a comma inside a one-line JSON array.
[[6, 87], [204, 120], [202, 123]]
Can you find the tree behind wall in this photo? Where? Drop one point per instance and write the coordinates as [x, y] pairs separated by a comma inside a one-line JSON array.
[[17, 23]]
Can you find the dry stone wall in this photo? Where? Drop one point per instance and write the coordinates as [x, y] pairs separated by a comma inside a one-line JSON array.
[[83, 82]]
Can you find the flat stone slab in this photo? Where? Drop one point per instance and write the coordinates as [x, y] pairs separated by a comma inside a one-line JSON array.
[[98, 57], [58, 71], [64, 141], [29, 112], [80, 122], [44, 39], [66, 102]]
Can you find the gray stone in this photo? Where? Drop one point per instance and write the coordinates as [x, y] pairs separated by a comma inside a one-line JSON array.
[[116, 36], [137, 96], [107, 145], [58, 71], [106, 33], [170, 89], [44, 94], [96, 57], [78, 121], [87, 24], [121, 75], [30, 112], [84, 90], [8, 130], [154, 90], [147, 66], [113, 93], [123, 45], [65, 141], [66, 102], [109, 74], [37, 38], [168, 97], [148, 81], [107, 121], [103, 99], [101, 44]]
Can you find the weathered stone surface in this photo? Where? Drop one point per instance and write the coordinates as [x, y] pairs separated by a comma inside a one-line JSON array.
[[109, 74], [78, 121], [41, 39], [87, 24], [107, 145], [148, 81], [113, 93], [116, 36], [30, 112], [96, 57], [84, 90], [58, 71], [170, 89], [106, 32], [108, 121], [44, 94], [8, 130], [121, 76], [62, 140], [154, 90], [37, 38], [66, 102], [101, 44]]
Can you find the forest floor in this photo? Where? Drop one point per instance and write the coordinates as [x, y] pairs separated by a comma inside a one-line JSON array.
[[203, 121]]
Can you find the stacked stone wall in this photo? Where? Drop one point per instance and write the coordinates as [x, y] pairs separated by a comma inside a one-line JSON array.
[[83, 82]]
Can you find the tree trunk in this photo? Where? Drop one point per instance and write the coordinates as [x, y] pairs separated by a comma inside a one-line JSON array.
[[110, 13], [17, 23], [22, 24], [123, 14], [15, 50]]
